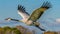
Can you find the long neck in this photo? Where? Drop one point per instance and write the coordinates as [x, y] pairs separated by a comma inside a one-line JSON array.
[[15, 20]]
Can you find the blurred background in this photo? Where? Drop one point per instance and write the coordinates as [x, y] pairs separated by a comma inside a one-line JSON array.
[[50, 20]]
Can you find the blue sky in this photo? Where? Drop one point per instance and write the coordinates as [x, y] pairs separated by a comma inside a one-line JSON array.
[[8, 8]]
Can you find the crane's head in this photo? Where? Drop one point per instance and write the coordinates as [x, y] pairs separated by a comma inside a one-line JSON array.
[[8, 19]]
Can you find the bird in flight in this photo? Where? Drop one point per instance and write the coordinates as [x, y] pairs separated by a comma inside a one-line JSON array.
[[32, 19]]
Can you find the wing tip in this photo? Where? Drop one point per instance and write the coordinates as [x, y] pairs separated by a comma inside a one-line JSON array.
[[21, 8], [46, 5]]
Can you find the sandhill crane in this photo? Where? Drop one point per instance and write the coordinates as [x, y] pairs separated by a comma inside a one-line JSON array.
[[32, 19]]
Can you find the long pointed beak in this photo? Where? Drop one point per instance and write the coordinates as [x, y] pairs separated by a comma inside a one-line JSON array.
[[8, 19]]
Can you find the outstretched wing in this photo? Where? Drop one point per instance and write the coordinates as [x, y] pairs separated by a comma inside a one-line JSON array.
[[38, 12], [22, 12]]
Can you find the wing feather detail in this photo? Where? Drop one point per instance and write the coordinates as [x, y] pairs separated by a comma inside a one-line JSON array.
[[22, 12], [38, 12]]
